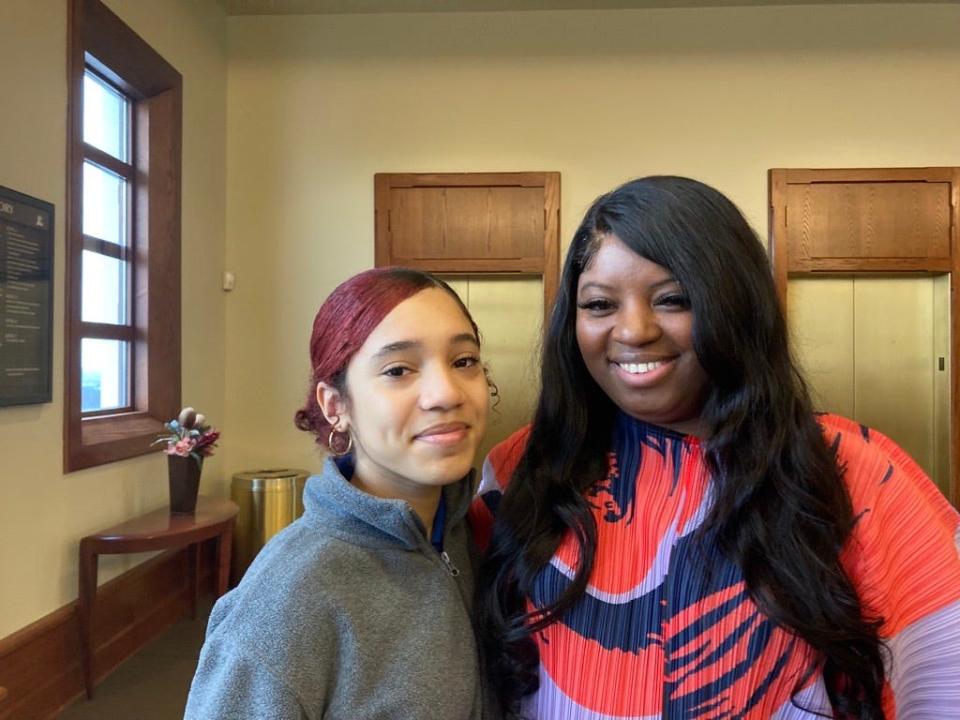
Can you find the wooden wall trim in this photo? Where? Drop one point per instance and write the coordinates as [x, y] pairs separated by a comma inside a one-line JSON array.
[[955, 340], [40, 664], [915, 174], [98, 39], [551, 259], [777, 243]]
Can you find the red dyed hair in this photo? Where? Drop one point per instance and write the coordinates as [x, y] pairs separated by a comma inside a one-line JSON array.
[[346, 319]]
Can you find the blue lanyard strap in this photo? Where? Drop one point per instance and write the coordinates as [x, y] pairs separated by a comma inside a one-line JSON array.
[[439, 524]]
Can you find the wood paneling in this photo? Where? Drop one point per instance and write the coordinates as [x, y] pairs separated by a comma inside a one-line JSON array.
[[467, 222], [40, 664], [551, 234], [871, 264], [844, 175], [471, 223], [484, 266], [868, 220], [113, 45]]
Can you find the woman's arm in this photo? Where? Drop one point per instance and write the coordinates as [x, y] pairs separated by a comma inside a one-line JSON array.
[[498, 466], [230, 686], [904, 560]]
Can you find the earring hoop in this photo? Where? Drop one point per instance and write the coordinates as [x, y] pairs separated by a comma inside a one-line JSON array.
[[336, 443]]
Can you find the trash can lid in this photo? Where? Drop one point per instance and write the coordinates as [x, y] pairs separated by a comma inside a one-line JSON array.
[[271, 474]]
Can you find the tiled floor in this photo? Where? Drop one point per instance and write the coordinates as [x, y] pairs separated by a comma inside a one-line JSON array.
[[153, 684]]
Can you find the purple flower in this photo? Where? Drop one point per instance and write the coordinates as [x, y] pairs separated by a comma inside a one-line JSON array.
[[206, 442]]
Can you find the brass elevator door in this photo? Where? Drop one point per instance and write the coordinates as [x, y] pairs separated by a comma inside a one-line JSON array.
[[875, 348], [509, 312]]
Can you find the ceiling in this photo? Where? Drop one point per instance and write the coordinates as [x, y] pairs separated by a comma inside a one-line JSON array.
[[329, 7]]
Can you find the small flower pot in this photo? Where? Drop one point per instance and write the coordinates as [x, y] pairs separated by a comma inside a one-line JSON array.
[[184, 475]]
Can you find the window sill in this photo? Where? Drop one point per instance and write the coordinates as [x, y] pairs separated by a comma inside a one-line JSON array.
[[113, 437]]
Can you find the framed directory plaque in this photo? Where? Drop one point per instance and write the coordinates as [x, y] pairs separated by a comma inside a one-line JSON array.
[[26, 298]]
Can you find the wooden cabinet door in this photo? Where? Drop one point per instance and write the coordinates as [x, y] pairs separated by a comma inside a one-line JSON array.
[[861, 220], [471, 223]]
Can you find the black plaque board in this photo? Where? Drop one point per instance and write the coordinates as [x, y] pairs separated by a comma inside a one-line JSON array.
[[26, 299]]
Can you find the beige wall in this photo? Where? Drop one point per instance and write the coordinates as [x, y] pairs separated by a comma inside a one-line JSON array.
[[43, 512], [319, 104]]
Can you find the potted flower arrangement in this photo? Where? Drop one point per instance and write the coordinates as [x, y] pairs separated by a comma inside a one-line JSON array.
[[187, 441]]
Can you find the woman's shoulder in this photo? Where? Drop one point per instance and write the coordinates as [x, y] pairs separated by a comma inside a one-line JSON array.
[[891, 494], [294, 564], [874, 464], [498, 467], [850, 435], [502, 460], [902, 552], [295, 572], [281, 622]]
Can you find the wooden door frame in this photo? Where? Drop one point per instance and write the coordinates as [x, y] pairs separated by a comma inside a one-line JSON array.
[[784, 266]]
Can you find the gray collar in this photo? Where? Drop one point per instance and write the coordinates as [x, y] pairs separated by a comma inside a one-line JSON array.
[[338, 508]]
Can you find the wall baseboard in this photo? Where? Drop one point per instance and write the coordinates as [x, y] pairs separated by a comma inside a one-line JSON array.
[[40, 664]]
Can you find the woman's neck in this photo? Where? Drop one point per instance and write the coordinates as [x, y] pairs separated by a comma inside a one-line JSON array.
[[424, 499], [693, 428]]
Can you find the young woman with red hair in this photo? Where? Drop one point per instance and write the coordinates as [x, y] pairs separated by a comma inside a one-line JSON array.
[[360, 609]]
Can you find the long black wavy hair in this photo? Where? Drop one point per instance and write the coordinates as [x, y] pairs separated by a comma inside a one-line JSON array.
[[781, 512]]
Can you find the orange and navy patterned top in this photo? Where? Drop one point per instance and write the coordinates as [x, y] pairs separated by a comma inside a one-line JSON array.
[[666, 630]]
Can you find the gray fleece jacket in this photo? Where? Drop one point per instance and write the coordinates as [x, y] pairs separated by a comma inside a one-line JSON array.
[[347, 614]]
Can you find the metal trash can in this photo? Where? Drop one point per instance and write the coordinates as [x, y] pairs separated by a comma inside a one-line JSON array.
[[269, 500]]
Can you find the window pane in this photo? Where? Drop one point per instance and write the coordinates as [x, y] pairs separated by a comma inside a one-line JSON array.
[[104, 204], [104, 289], [104, 374], [105, 113]]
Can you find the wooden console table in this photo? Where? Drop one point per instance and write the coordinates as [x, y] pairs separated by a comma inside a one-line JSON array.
[[158, 530]]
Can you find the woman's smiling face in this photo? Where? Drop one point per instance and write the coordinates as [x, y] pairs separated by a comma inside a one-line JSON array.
[[635, 333]]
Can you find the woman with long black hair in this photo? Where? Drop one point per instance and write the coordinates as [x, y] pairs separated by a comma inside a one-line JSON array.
[[677, 534]]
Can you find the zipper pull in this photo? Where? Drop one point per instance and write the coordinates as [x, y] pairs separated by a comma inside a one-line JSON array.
[[451, 568]]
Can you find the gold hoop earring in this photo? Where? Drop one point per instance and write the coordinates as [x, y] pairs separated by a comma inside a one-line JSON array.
[[336, 443]]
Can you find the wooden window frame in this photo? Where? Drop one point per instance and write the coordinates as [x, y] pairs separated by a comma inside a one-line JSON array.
[[99, 40], [785, 266]]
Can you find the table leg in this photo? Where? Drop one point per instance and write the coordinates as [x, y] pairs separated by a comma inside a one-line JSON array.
[[224, 543], [193, 553], [85, 597]]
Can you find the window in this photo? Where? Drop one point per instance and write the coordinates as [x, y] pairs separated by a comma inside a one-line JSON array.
[[106, 334], [123, 241]]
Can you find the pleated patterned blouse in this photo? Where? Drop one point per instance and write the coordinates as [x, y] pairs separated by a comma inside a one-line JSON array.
[[667, 630]]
